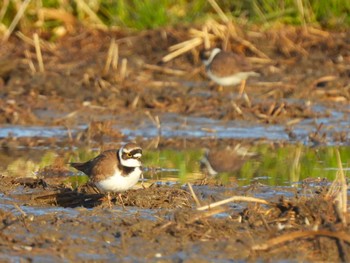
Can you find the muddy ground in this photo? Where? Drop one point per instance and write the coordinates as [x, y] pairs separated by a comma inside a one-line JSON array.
[[44, 218]]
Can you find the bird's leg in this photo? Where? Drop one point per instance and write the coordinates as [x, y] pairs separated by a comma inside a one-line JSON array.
[[241, 88], [109, 200], [121, 200], [220, 88], [142, 181]]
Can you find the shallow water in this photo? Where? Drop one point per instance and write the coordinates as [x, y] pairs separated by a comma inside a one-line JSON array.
[[280, 166], [177, 126], [274, 165]]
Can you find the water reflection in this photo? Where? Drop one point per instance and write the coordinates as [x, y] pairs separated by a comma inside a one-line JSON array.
[[270, 164]]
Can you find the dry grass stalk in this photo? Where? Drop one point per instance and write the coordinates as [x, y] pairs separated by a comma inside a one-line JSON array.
[[234, 199], [279, 109], [43, 44], [183, 44], [115, 57], [195, 198], [200, 33], [87, 10], [110, 54], [247, 100], [272, 107], [256, 60], [217, 29], [206, 38], [182, 48], [249, 45], [155, 120], [293, 121], [123, 69], [5, 4], [206, 214], [295, 169], [236, 108], [318, 32], [135, 101], [241, 88], [338, 190], [300, 234], [58, 14], [15, 21], [160, 83], [24, 214], [323, 79], [219, 11], [69, 133], [38, 52], [227, 31], [29, 61], [302, 12], [287, 46], [165, 70]]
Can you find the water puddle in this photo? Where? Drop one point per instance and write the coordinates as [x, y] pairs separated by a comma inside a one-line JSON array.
[[176, 126], [32, 131], [265, 163]]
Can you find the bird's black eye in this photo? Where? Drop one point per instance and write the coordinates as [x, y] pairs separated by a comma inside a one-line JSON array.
[[129, 155]]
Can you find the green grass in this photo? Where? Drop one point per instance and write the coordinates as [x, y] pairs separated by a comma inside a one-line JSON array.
[[137, 14]]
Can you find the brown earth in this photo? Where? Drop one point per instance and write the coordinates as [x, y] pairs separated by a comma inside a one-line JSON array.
[[162, 224], [305, 68], [45, 218]]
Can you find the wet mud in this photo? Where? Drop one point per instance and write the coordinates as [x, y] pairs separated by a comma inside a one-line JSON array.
[[80, 102], [41, 219]]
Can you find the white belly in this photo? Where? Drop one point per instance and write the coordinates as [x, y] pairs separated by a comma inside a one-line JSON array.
[[233, 79], [119, 183]]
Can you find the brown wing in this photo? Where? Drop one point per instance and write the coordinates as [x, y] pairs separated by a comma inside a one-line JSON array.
[[100, 167], [225, 160], [228, 63]]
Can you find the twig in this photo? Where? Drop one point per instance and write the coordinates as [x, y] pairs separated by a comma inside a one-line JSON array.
[[234, 199], [300, 234]]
